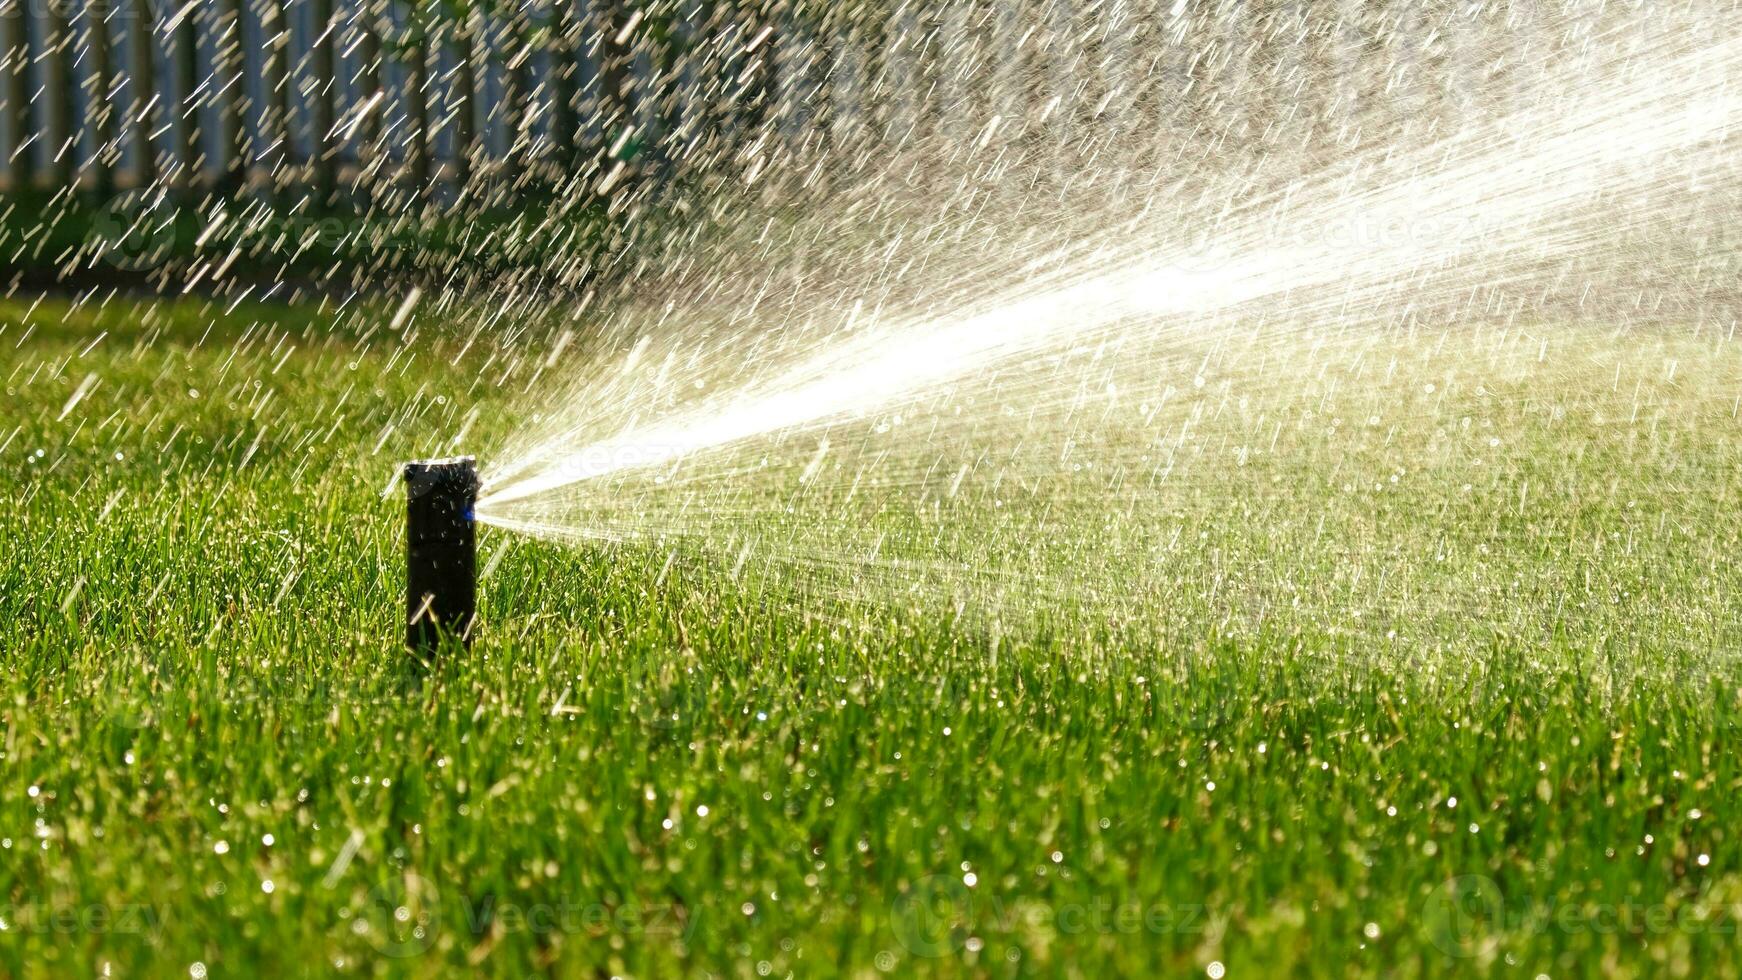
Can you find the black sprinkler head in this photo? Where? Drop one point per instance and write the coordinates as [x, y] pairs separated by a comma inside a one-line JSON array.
[[441, 552]]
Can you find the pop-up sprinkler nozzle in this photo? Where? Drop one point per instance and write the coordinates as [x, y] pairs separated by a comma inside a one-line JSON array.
[[441, 550]]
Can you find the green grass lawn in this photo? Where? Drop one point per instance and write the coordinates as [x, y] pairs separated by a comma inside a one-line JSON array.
[[1488, 724]]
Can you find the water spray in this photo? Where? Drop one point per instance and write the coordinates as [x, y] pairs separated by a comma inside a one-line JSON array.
[[1526, 196], [441, 550]]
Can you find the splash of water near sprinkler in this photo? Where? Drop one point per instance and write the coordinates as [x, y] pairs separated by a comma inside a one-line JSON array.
[[1508, 198], [1000, 419]]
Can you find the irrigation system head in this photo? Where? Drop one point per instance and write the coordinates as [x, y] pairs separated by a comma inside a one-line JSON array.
[[441, 551]]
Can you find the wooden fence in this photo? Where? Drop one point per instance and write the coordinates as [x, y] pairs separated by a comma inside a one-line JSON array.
[[332, 96], [311, 93]]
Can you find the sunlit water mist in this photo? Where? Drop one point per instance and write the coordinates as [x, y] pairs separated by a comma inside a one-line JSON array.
[[1093, 419]]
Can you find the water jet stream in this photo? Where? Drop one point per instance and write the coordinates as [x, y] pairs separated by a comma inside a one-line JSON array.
[[1510, 198]]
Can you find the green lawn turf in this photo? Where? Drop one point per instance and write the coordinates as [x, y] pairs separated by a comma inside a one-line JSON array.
[[648, 775]]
